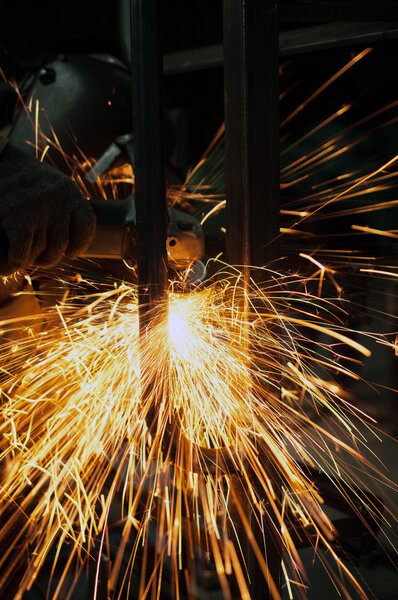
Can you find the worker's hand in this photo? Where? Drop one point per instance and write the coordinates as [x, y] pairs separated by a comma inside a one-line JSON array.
[[43, 216]]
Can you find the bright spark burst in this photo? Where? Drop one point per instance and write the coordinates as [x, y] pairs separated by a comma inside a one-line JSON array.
[[211, 433], [178, 439]]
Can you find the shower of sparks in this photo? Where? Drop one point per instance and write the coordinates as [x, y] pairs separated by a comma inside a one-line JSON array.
[[78, 437], [181, 443]]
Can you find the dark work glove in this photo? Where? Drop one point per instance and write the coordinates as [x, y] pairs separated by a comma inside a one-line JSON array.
[[43, 216]]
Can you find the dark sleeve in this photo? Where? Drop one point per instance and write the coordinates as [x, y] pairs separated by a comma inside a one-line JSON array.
[[3, 143]]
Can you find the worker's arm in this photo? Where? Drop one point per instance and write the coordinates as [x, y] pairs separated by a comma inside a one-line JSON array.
[[43, 216], [3, 143]]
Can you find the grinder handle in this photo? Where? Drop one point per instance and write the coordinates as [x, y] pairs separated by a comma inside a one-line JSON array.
[[115, 219]]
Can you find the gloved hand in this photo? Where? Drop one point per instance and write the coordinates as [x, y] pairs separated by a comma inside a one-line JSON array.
[[43, 216]]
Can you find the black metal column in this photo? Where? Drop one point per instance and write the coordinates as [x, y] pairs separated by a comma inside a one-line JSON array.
[[151, 211], [252, 129], [251, 85], [151, 207], [147, 75]]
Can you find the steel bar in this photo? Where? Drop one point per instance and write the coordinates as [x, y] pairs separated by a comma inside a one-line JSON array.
[[251, 86], [312, 11], [151, 209], [252, 130], [150, 203], [150, 196], [291, 43], [335, 35]]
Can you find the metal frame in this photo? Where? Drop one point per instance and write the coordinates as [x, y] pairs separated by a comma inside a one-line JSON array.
[[252, 160], [150, 189], [252, 154], [251, 83], [251, 86], [291, 43], [150, 195]]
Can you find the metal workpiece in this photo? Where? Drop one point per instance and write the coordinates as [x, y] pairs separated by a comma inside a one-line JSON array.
[[251, 83], [341, 34], [251, 87], [313, 11], [304, 40], [148, 138], [150, 197]]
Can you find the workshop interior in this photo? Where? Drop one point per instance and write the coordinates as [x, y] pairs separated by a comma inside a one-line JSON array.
[[203, 404]]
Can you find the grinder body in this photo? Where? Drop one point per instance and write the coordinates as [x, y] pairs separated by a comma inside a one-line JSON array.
[[115, 235]]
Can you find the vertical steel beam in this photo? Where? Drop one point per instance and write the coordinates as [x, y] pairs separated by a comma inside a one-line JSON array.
[[251, 85], [151, 209]]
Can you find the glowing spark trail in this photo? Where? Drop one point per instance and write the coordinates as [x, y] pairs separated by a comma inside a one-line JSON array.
[[75, 436], [161, 487]]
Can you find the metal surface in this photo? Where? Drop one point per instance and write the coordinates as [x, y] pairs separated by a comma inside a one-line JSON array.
[[252, 130], [311, 11], [196, 59], [149, 155], [335, 35], [291, 43], [251, 84]]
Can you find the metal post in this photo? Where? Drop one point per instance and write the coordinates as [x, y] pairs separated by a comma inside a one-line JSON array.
[[151, 207], [150, 194], [251, 85], [252, 129]]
